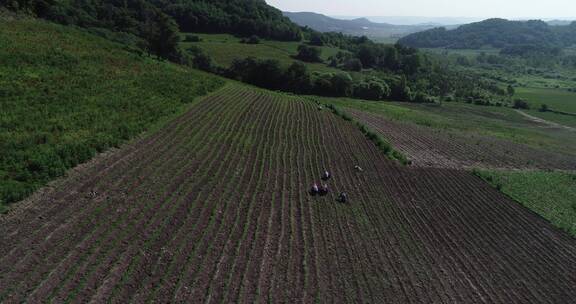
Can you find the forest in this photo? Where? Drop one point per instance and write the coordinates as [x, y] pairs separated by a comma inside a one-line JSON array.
[[495, 33]]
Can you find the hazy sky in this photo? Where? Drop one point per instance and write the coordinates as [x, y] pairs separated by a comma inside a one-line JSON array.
[[433, 8]]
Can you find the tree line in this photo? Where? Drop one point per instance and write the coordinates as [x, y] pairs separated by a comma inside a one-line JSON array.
[[154, 25]]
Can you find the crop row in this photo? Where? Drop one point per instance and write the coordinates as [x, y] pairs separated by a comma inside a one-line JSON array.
[[427, 147], [214, 208]]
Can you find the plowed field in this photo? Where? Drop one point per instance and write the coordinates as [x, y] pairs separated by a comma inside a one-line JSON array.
[[427, 147], [214, 208]]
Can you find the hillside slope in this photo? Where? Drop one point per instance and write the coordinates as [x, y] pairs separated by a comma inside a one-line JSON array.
[[354, 27], [215, 208], [495, 33], [66, 95]]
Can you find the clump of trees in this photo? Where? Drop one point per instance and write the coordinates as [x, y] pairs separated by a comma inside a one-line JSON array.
[[309, 54], [372, 89], [296, 78], [521, 104]]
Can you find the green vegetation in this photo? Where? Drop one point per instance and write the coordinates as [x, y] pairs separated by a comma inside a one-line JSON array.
[[225, 48], [376, 138], [555, 99], [550, 194], [377, 71], [515, 37], [153, 25], [66, 95], [499, 122], [559, 104]]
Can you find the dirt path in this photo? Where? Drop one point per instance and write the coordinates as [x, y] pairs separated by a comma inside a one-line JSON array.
[[546, 122]]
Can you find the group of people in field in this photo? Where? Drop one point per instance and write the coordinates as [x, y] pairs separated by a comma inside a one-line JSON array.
[[323, 189]]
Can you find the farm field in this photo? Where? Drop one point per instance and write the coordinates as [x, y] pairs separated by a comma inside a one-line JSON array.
[[469, 120], [556, 99], [428, 147], [225, 48], [550, 194], [214, 208]]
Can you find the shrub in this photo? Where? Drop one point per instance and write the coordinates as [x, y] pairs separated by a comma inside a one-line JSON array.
[[421, 97], [521, 104], [251, 40], [192, 38], [353, 64], [372, 89], [309, 54], [203, 62], [544, 108]]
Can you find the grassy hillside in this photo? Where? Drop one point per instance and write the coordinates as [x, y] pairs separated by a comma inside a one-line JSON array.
[[224, 48], [66, 95], [550, 194], [495, 33]]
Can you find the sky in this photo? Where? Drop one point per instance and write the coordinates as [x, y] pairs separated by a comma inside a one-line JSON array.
[[511, 9]]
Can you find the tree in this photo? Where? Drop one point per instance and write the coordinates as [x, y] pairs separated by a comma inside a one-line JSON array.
[[316, 39], [203, 62], [251, 40], [309, 54], [401, 91], [521, 104], [353, 64], [372, 89], [297, 78], [510, 91], [161, 33], [342, 84], [544, 108]]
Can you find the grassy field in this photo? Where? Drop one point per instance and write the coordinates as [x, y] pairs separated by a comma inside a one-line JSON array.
[[224, 48], [498, 122], [550, 194], [555, 99], [66, 95]]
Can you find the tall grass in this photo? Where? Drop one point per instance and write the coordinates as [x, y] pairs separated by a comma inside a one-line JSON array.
[[66, 95]]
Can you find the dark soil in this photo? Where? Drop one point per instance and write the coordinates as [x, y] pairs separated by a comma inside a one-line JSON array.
[[214, 208]]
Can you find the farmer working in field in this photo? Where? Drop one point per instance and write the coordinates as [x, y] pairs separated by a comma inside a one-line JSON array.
[[314, 189], [343, 197], [324, 189]]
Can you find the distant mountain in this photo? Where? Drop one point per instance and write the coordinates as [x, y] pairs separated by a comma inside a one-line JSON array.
[[559, 22], [356, 27], [415, 20], [495, 33]]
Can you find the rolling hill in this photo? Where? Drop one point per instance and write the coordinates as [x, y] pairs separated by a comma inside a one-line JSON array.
[[355, 27], [495, 33]]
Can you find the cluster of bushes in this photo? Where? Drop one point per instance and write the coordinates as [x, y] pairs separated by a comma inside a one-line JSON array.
[[296, 78], [521, 104], [308, 54], [251, 40]]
